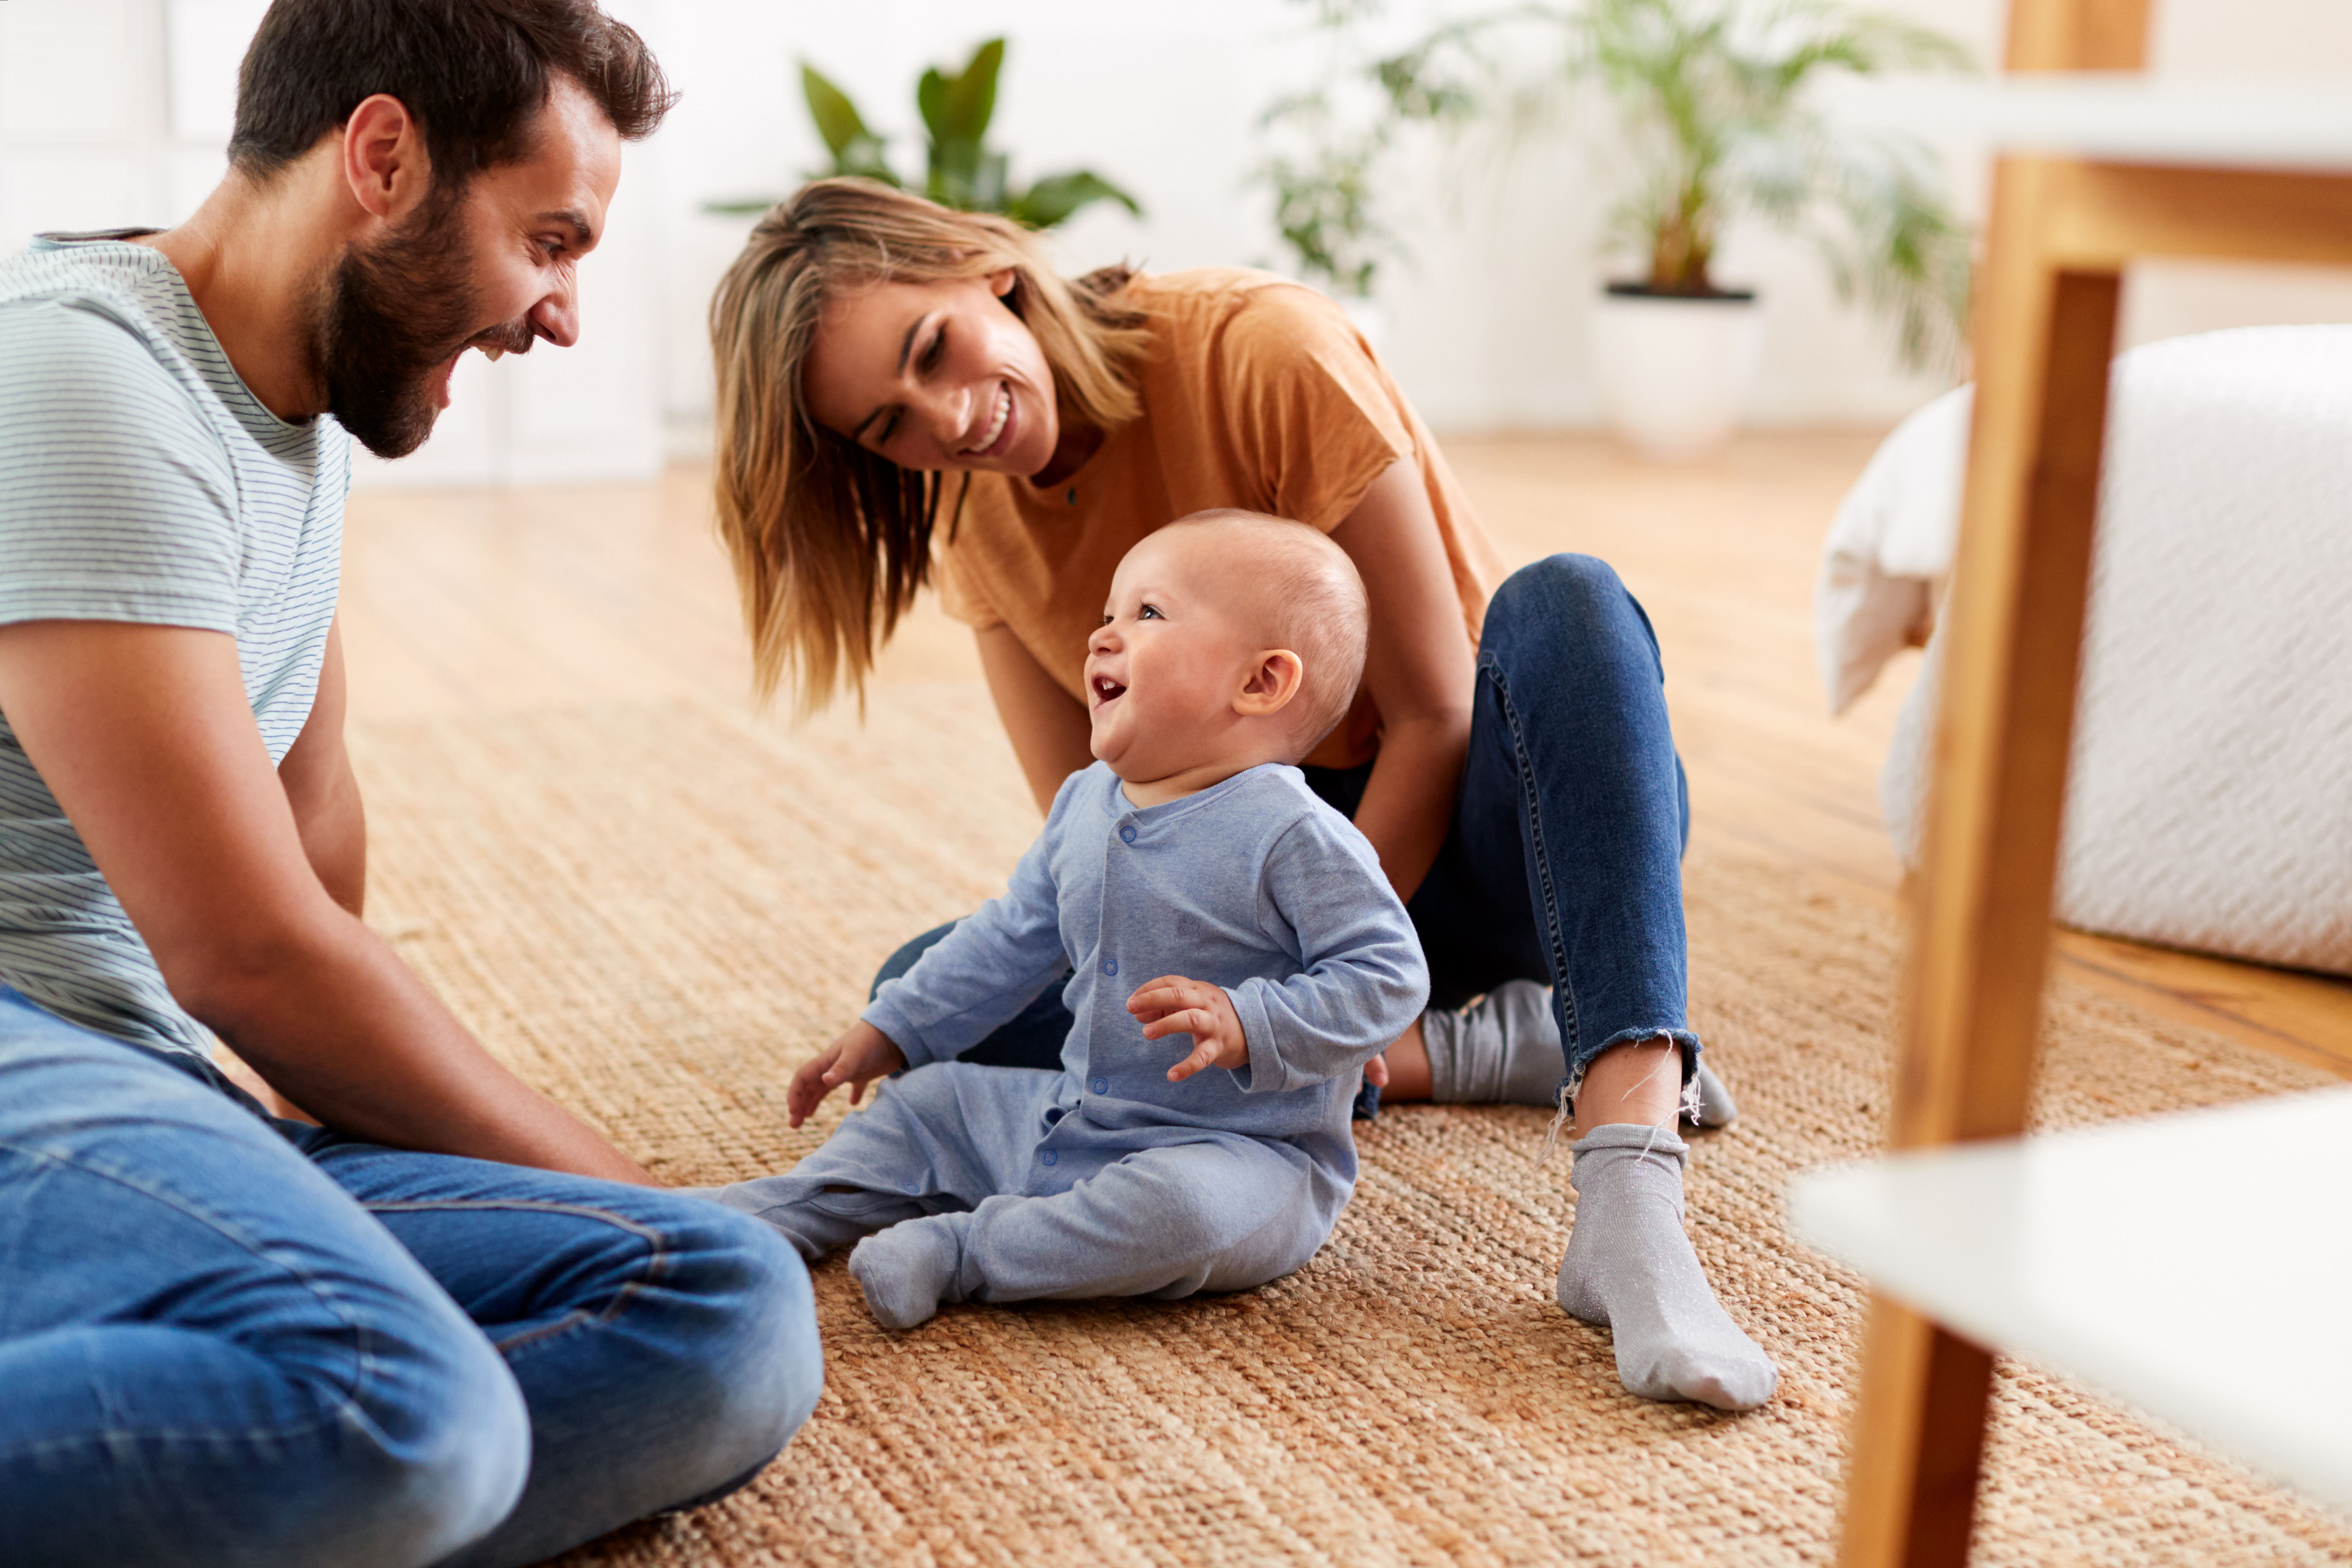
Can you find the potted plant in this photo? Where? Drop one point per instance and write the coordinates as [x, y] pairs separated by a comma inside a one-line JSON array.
[[1710, 98], [1320, 170], [961, 169]]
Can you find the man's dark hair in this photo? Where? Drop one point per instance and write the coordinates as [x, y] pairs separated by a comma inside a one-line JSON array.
[[475, 73]]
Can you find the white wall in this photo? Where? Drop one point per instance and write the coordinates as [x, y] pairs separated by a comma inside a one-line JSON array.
[[114, 112], [1488, 313]]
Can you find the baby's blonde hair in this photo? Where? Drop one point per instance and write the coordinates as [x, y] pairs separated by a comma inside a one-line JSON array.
[[1313, 604]]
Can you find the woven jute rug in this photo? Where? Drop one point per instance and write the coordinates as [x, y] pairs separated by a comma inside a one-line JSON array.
[[656, 913]]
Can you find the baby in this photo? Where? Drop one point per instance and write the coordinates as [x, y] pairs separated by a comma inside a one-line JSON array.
[[1233, 953]]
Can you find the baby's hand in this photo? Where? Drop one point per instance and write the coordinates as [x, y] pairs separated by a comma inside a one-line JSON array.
[[862, 1055], [1172, 1005]]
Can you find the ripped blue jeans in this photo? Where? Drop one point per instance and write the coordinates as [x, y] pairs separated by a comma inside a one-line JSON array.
[[1564, 864]]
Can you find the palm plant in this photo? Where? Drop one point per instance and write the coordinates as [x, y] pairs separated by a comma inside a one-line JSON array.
[[961, 169], [1712, 98], [1322, 175]]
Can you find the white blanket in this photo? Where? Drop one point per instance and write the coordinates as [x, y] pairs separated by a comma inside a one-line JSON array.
[[2210, 802], [1889, 551]]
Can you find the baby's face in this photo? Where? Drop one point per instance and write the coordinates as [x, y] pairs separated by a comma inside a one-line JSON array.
[[1171, 655]]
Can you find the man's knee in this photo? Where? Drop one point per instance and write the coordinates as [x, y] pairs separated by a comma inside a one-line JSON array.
[[750, 1367], [428, 1451], [459, 1471]]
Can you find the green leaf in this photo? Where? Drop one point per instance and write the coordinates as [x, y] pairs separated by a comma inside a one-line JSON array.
[[971, 100], [1056, 197], [930, 99], [837, 120]]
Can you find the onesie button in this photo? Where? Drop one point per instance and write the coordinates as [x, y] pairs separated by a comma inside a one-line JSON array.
[[1050, 1157], [1110, 966], [1102, 1086], [1127, 832], [914, 1189]]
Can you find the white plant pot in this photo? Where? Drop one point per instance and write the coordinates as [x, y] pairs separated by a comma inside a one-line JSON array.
[[1676, 372]]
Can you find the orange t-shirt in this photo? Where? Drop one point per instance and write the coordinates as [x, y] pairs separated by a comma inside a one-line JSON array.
[[1258, 393]]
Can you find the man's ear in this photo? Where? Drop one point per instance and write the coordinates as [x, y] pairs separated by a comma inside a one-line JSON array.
[[383, 158], [1273, 681]]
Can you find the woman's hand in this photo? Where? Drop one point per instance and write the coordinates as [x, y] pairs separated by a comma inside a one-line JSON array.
[[862, 1055], [1172, 1005]]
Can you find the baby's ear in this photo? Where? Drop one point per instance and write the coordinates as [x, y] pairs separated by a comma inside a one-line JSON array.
[[1274, 679]]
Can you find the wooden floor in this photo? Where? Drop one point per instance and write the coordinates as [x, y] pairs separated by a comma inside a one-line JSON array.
[[480, 601]]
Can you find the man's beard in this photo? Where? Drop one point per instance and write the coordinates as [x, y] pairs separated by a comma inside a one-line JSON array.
[[395, 315]]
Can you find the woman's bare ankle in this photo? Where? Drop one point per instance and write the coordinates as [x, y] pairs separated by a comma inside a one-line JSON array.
[[1639, 1082]]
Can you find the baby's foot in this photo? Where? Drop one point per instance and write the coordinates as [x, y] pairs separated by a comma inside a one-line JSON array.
[[907, 1270], [1630, 1266]]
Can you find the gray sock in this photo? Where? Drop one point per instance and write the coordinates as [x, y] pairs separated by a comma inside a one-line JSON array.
[[909, 1269], [1504, 1049], [1630, 1266], [1716, 1106]]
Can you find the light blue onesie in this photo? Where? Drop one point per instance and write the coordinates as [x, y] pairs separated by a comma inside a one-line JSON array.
[[1105, 1178]]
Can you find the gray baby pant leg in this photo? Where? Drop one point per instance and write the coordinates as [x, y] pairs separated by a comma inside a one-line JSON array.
[[1190, 1210]]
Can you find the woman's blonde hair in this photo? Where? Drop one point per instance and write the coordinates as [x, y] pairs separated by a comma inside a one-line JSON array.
[[830, 542]]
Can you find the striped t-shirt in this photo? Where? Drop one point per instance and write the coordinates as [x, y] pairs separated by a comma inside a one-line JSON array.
[[139, 480]]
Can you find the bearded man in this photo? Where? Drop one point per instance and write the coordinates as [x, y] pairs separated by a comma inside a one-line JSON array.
[[453, 1323]]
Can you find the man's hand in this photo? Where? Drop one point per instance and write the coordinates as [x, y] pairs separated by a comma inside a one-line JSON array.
[[862, 1055], [1172, 1005]]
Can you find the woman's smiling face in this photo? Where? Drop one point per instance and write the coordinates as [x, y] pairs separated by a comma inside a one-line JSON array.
[[935, 376]]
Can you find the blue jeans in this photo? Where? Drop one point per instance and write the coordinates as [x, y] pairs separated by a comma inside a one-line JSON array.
[[229, 1339], [1564, 862]]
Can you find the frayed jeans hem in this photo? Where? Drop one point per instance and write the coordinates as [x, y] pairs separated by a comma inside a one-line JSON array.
[[1687, 1040]]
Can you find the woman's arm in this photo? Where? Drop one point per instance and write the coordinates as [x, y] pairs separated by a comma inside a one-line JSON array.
[[1050, 731], [1420, 670]]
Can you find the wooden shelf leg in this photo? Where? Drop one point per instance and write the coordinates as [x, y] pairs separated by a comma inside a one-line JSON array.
[[1980, 907], [1980, 916], [1918, 1438]]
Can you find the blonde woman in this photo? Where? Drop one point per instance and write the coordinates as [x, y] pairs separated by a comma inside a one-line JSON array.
[[910, 394]]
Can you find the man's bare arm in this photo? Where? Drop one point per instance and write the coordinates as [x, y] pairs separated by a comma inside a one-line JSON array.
[[322, 793], [144, 736]]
